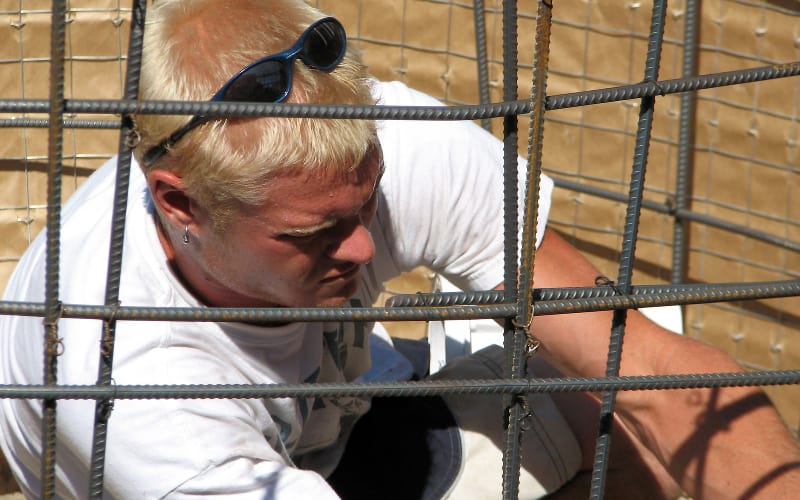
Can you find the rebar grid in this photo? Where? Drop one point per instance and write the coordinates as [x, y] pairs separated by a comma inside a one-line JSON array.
[[453, 306]]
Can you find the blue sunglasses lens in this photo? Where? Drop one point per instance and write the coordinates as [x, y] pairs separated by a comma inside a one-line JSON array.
[[264, 82], [322, 47]]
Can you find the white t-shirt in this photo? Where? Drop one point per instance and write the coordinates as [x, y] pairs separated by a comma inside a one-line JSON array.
[[440, 205]]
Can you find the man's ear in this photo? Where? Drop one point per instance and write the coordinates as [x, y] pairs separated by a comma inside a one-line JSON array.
[[171, 199]]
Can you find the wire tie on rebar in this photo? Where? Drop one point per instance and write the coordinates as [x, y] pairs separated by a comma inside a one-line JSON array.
[[531, 345], [53, 321], [672, 206], [426, 301], [54, 345], [105, 344], [56, 348], [525, 417], [604, 281], [524, 326], [658, 86], [133, 138], [104, 410]]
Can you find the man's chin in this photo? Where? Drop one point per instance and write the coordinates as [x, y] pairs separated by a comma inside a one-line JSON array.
[[333, 302], [339, 297], [328, 300]]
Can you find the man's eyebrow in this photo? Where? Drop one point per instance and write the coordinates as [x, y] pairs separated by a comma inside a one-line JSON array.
[[309, 230], [379, 176], [381, 171]]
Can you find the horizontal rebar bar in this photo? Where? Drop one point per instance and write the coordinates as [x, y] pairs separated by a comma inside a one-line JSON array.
[[414, 388], [441, 113], [609, 194], [755, 234], [542, 295], [68, 123], [569, 300], [665, 208]]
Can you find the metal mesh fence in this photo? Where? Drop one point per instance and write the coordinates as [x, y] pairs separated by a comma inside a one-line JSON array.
[[713, 228]]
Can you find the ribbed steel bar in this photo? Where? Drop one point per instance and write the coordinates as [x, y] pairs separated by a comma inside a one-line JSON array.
[[739, 229], [466, 112], [525, 281], [24, 122], [482, 59], [559, 301], [682, 214], [686, 129], [510, 136], [53, 227], [103, 106], [656, 293], [514, 336], [627, 254], [673, 86], [609, 195], [127, 140], [523, 342], [401, 389]]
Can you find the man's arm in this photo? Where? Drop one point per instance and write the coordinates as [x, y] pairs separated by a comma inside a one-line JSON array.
[[717, 443]]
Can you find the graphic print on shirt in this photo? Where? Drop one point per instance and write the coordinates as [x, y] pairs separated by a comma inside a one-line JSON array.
[[336, 340], [303, 403], [335, 347]]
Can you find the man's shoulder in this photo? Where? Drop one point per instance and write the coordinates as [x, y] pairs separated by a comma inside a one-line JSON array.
[[84, 236], [396, 93]]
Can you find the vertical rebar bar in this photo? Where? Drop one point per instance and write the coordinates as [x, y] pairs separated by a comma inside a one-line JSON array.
[[482, 59], [127, 140], [632, 215], [686, 131], [520, 411], [53, 227], [544, 18], [514, 337]]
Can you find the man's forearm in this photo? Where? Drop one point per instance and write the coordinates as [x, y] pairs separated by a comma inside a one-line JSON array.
[[727, 442]]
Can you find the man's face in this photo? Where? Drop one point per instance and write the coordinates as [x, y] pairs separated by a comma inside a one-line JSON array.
[[304, 247]]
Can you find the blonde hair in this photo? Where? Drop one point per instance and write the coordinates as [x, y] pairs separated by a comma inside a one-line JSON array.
[[192, 47]]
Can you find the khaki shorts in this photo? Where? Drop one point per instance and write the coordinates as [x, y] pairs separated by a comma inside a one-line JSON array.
[[452, 446]]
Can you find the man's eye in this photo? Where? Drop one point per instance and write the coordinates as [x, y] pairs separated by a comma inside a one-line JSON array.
[[299, 238], [370, 205]]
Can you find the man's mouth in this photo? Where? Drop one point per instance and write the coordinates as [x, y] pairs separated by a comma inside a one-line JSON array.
[[345, 275]]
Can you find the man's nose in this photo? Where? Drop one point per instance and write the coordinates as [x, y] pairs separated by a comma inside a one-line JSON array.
[[356, 246]]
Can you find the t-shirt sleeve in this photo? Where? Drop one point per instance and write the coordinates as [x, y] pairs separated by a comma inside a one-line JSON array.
[[200, 448], [442, 204], [229, 459]]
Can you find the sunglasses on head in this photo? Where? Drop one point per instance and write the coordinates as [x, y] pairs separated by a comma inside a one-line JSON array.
[[321, 46]]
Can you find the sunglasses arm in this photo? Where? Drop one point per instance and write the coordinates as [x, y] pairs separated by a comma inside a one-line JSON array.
[[156, 152]]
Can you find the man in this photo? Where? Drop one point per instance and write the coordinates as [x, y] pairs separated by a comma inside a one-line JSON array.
[[306, 212]]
